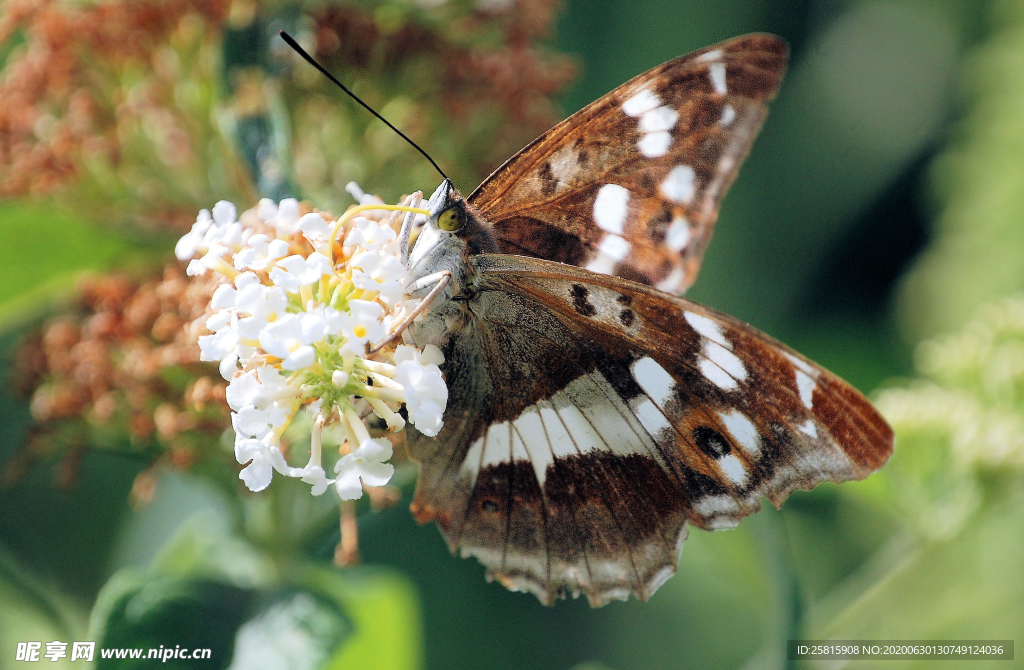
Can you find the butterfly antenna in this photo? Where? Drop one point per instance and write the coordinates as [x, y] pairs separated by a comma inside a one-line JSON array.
[[309, 59]]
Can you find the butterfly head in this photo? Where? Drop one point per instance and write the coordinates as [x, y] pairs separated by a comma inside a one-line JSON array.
[[447, 208], [453, 231]]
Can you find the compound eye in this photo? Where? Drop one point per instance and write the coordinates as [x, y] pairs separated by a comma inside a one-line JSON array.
[[452, 219]]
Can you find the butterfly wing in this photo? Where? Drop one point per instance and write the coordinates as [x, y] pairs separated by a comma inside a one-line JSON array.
[[631, 184], [590, 418]]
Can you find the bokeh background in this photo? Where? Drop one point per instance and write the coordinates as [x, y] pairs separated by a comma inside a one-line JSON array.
[[878, 227]]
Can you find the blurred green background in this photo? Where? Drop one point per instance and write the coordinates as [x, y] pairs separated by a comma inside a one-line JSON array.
[[877, 227]]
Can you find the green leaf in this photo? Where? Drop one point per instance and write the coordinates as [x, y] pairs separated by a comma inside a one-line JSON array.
[[385, 613], [297, 631], [968, 587], [31, 610], [155, 613], [43, 249]]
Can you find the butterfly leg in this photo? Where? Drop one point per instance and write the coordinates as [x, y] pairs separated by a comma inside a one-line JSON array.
[[440, 281]]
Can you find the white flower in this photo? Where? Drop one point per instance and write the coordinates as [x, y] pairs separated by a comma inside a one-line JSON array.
[[260, 252], [361, 323], [224, 213], [283, 217], [276, 341], [189, 244], [287, 218], [361, 196], [263, 457], [284, 339], [369, 234], [242, 390], [266, 209], [274, 387], [263, 304], [316, 325], [426, 394], [256, 423], [211, 260], [224, 346], [385, 274], [367, 463], [260, 388], [295, 271], [315, 229], [316, 477]]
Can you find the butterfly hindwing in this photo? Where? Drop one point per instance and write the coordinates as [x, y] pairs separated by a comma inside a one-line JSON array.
[[631, 184], [594, 417]]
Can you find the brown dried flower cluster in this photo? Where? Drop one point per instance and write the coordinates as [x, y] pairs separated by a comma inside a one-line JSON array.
[[53, 111], [509, 77], [124, 374]]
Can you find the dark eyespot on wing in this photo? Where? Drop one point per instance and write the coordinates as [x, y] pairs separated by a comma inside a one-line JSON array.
[[710, 441], [579, 301]]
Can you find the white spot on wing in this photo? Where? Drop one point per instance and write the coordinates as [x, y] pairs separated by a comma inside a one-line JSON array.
[[678, 234], [679, 184], [651, 418], [519, 452], [598, 419], [654, 380], [725, 359], [673, 282], [808, 428], [614, 247], [801, 365], [733, 469], [644, 101], [528, 426], [655, 145], [610, 251], [558, 437], [717, 375], [713, 506], [805, 385], [601, 264], [717, 72], [713, 55], [708, 328], [742, 430], [471, 463], [497, 448], [618, 434], [728, 115], [658, 119], [610, 208], [582, 433]]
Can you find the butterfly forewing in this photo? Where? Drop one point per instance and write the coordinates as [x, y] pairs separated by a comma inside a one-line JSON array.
[[631, 184], [594, 417]]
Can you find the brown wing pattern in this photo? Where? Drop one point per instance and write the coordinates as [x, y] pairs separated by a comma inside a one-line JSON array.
[[593, 417], [631, 184]]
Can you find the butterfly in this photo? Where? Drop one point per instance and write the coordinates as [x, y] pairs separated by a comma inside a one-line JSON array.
[[592, 412]]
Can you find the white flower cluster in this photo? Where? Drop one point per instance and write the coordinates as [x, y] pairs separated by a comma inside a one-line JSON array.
[[302, 301]]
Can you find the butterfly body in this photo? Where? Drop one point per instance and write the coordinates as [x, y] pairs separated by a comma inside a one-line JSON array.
[[592, 414]]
